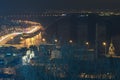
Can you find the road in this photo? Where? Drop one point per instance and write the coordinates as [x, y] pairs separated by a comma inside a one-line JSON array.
[[4, 39]]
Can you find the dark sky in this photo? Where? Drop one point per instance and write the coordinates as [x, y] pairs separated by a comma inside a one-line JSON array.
[[26, 5], [6, 5]]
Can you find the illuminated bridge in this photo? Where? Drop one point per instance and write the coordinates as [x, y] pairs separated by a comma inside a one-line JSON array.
[[26, 33], [77, 27]]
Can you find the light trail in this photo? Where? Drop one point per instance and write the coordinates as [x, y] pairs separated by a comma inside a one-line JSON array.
[[34, 29], [8, 37], [4, 39]]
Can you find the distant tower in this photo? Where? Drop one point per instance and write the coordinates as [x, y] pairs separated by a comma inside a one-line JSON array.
[[111, 51]]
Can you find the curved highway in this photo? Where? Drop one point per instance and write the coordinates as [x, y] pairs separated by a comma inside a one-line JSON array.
[[4, 39]]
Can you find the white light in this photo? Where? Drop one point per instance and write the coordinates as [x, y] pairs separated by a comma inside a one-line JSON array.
[[70, 41], [43, 39], [104, 43], [29, 55], [87, 43], [56, 40]]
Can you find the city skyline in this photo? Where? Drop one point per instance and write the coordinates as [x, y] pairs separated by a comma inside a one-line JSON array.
[[31, 6], [59, 39]]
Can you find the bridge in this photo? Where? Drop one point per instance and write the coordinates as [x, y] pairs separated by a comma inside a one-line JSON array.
[[76, 26], [33, 38]]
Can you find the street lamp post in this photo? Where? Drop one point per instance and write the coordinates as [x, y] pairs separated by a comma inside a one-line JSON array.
[[43, 39], [55, 40], [104, 44], [87, 44], [70, 41]]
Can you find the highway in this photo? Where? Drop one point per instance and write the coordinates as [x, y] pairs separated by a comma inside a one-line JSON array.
[[4, 39]]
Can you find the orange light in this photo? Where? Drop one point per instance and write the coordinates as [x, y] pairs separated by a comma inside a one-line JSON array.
[[11, 37], [104, 43]]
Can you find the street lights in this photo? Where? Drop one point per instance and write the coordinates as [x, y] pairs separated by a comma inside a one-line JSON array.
[[12, 39], [43, 39], [104, 44], [56, 40], [70, 41], [87, 44]]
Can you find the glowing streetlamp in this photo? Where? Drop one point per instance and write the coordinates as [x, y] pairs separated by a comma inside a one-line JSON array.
[[104, 44], [43, 39], [56, 40], [87, 44], [70, 41]]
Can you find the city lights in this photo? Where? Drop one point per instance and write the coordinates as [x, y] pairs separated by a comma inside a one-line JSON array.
[[43, 39], [87, 43], [56, 40], [61, 45], [11, 37], [24, 34], [104, 44], [70, 41]]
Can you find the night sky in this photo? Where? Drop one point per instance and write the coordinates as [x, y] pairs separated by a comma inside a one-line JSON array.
[[37, 5], [6, 5]]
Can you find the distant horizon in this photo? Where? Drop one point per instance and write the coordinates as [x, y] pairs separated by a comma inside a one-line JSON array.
[[52, 10]]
